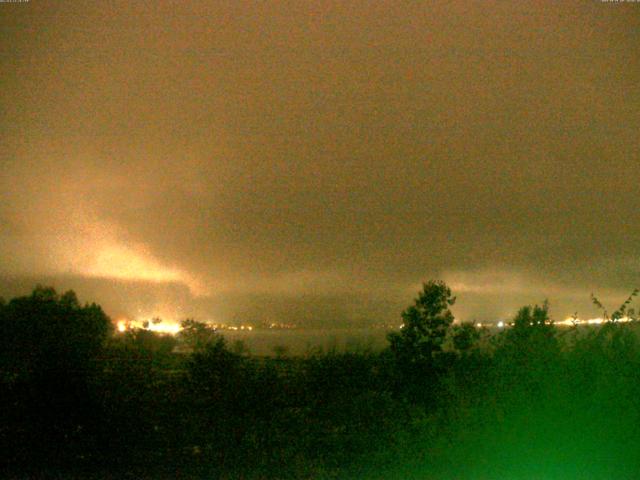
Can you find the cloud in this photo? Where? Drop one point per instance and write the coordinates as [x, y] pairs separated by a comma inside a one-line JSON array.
[[324, 160]]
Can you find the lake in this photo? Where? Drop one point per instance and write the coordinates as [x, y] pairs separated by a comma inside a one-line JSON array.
[[301, 341]]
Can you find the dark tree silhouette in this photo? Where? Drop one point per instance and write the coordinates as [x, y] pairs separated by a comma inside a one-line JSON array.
[[532, 328], [46, 331], [417, 349], [49, 354], [198, 335], [280, 351], [425, 325], [622, 311], [73, 405], [465, 336]]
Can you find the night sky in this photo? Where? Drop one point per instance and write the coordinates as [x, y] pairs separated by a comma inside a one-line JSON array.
[[315, 162]]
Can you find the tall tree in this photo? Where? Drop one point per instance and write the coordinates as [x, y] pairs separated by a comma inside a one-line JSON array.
[[425, 325]]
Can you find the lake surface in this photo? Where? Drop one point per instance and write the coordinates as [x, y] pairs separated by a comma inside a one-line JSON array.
[[299, 341]]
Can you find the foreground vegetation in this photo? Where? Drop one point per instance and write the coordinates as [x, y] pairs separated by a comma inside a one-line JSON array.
[[443, 401]]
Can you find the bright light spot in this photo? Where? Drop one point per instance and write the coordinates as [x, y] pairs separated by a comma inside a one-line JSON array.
[[572, 321], [171, 328], [145, 324], [500, 324], [568, 322], [162, 327]]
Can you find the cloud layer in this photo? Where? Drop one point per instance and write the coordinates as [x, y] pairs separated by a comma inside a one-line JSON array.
[[316, 162]]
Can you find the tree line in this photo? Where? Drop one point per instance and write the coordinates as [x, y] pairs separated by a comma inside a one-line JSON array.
[[443, 400]]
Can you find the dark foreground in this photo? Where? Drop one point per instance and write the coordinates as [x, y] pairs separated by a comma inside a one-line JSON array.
[[440, 402]]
